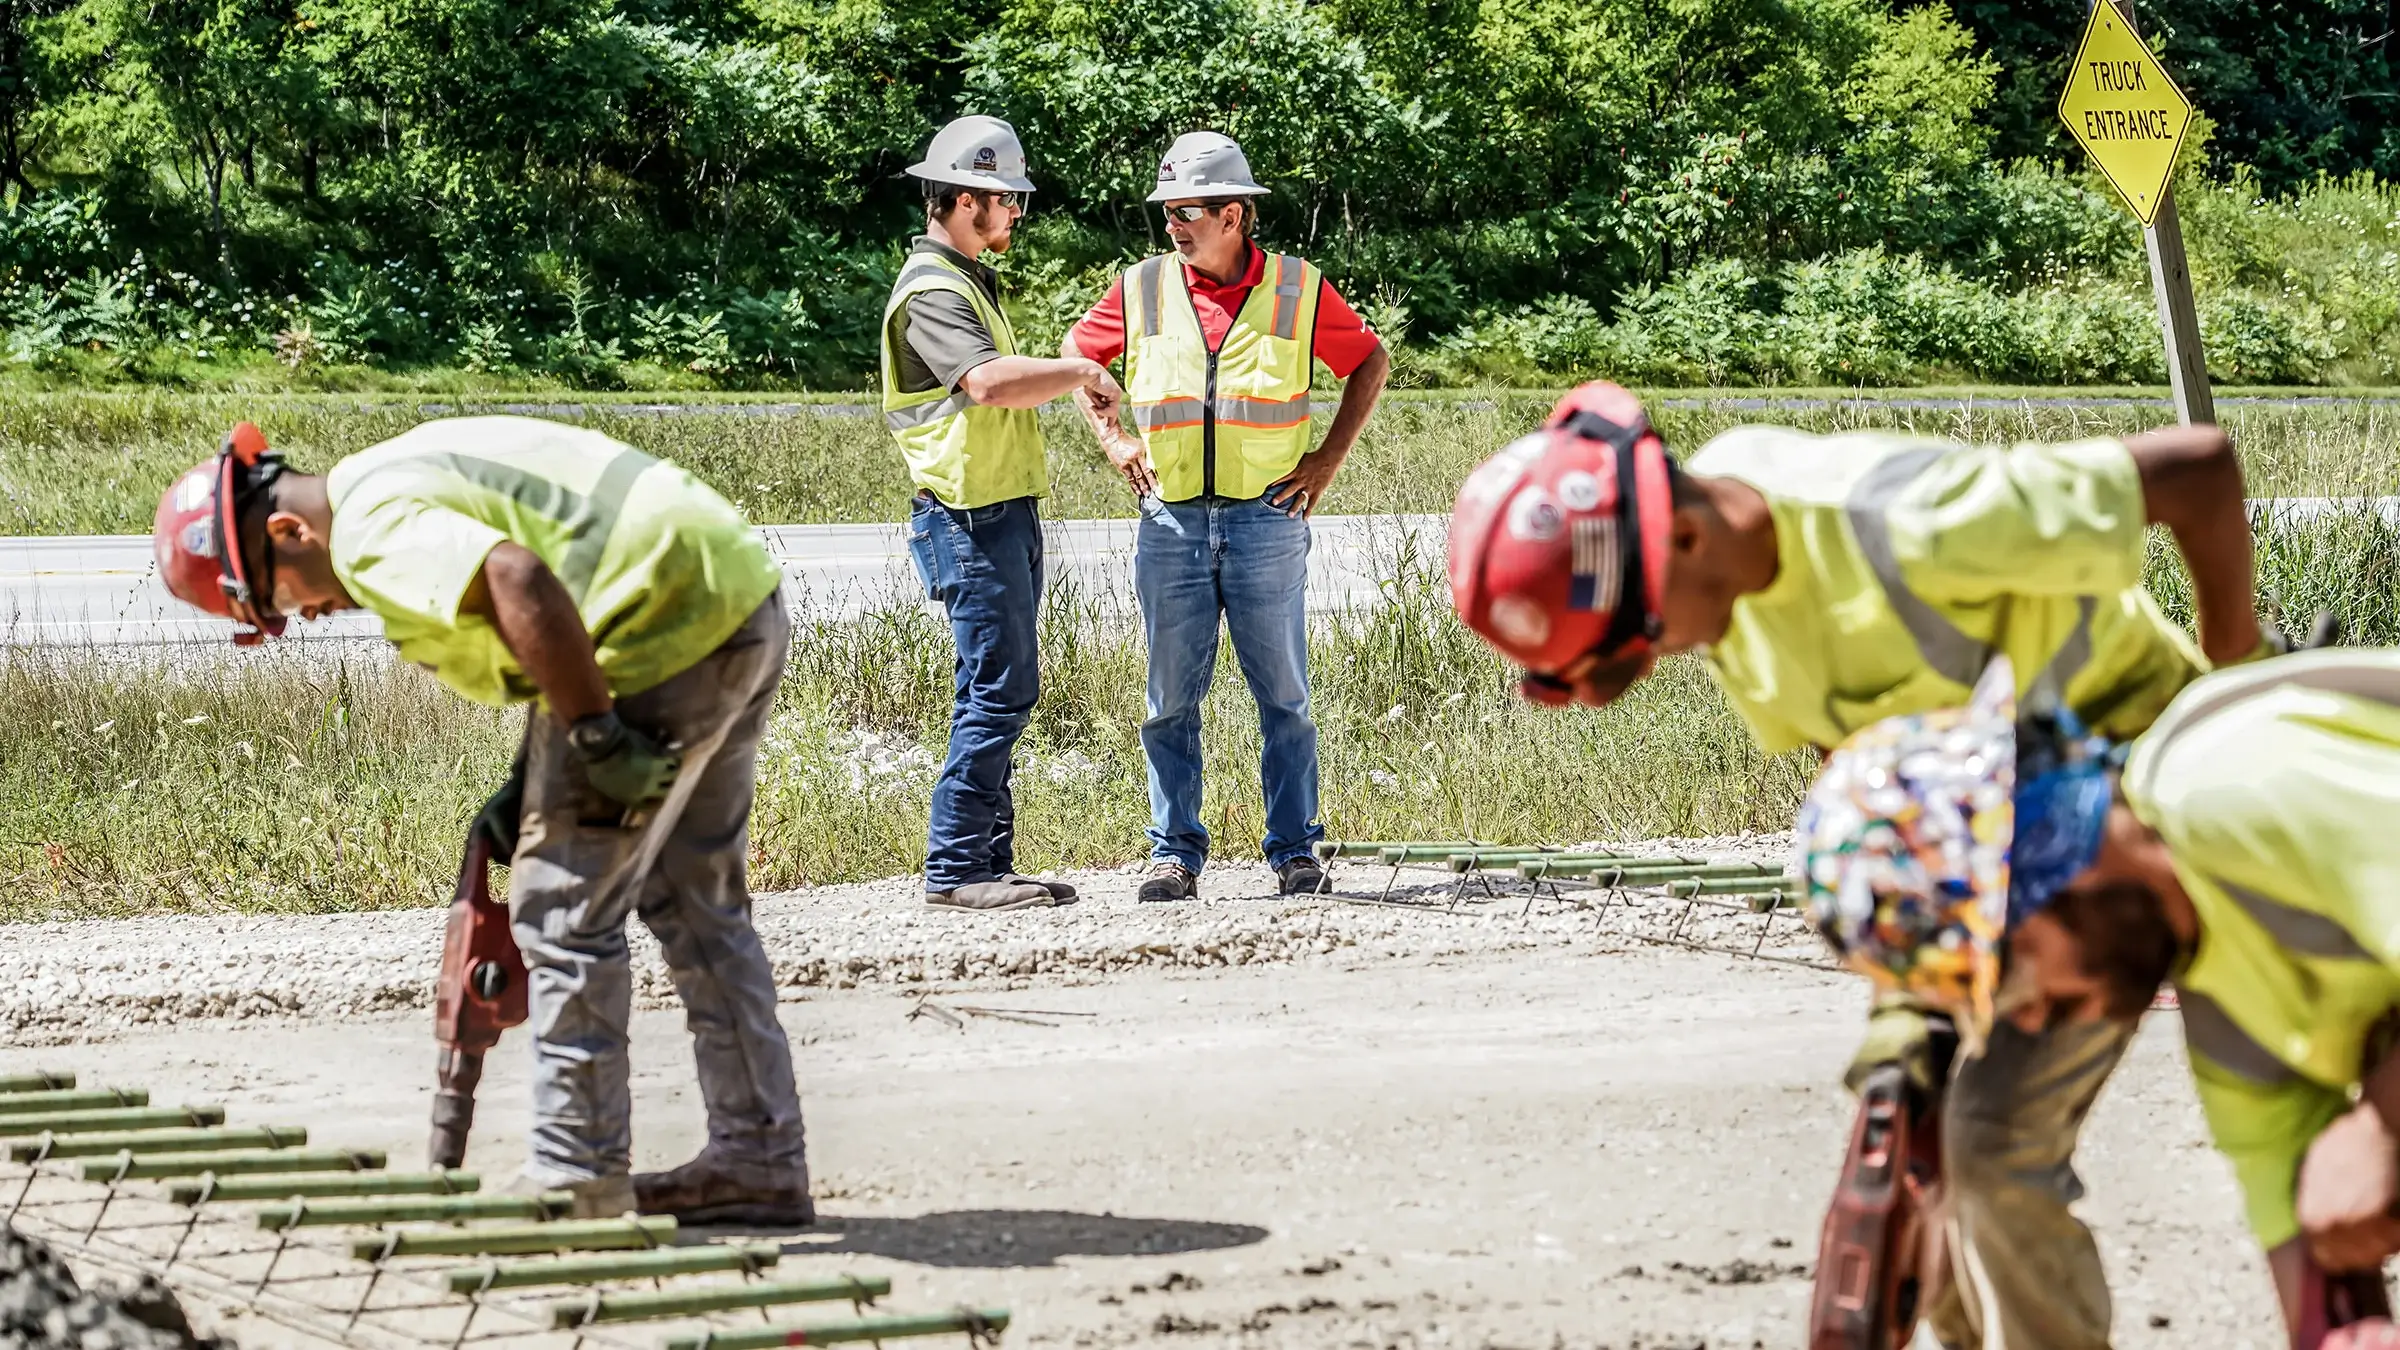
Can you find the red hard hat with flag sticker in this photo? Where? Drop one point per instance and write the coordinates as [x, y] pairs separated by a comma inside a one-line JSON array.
[[1558, 544], [196, 538]]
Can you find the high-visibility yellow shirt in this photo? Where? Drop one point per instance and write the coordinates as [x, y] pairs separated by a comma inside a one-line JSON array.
[[1904, 564], [2276, 787], [661, 568]]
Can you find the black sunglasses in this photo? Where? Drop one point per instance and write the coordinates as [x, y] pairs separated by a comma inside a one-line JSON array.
[[1188, 214]]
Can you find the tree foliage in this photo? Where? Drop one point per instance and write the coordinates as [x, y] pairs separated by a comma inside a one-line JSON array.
[[716, 187]]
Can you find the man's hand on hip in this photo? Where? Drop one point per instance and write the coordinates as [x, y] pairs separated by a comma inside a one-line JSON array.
[[626, 766], [1302, 491], [2349, 1183]]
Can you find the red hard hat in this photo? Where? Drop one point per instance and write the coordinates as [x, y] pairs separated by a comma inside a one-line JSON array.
[[196, 538], [1558, 544]]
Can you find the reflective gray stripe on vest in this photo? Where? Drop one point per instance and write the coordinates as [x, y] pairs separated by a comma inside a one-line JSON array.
[[1287, 294], [1951, 653], [2297, 930], [1167, 413], [1145, 274], [588, 521], [902, 419], [1262, 412], [944, 271], [2210, 1034]]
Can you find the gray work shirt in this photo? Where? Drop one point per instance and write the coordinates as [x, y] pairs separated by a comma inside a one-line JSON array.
[[945, 338]]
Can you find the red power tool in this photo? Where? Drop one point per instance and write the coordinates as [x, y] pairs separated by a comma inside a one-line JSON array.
[[482, 993], [1872, 1276]]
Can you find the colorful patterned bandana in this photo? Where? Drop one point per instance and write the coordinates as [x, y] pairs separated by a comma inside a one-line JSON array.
[[1902, 847], [1920, 846]]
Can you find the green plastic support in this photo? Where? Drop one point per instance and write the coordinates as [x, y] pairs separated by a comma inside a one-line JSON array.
[[40, 1080], [710, 1298], [413, 1209], [1628, 874], [863, 1329], [311, 1184], [579, 1235], [120, 1118], [1772, 885], [1393, 855], [128, 1166], [749, 1258], [1510, 860], [32, 1102], [155, 1141], [1328, 850]]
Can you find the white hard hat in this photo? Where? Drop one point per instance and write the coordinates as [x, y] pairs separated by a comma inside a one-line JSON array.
[[975, 152], [1204, 164]]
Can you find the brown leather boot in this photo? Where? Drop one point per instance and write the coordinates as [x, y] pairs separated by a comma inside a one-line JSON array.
[[710, 1190]]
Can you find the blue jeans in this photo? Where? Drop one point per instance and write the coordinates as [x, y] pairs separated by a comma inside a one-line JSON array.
[[985, 566], [1248, 561]]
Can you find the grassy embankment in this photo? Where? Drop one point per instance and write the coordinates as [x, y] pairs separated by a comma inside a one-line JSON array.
[[135, 784]]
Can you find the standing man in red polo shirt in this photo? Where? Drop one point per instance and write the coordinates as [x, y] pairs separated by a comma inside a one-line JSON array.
[[1218, 339]]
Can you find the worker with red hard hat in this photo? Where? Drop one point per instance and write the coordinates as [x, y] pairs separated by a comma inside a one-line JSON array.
[[519, 559], [1830, 582]]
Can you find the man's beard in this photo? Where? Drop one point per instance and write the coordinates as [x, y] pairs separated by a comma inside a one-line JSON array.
[[985, 209]]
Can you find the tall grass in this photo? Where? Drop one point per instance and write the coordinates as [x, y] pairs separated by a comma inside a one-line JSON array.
[[95, 464], [207, 782]]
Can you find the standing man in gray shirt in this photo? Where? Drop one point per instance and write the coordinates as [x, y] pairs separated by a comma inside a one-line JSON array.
[[959, 399]]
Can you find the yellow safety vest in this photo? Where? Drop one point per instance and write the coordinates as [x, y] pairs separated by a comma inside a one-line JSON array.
[[959, 450], [1230, 422]]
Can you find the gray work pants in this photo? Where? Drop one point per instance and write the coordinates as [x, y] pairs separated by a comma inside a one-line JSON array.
[[581, 871], [2025, 1272]]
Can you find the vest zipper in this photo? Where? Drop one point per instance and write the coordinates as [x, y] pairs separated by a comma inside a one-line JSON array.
[[1208, 431]]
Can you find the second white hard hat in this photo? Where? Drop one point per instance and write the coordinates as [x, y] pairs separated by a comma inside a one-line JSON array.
[[1204, 164], [975, 152]]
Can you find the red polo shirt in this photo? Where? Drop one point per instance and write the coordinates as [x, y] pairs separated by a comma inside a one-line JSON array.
[[1342, 339]]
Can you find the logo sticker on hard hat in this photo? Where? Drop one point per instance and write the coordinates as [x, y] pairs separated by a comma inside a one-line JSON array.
[[1491, 482], [1580, 491], [1534, 518], [986, 159], [1520, 621], [200, 538], [1599, 571]]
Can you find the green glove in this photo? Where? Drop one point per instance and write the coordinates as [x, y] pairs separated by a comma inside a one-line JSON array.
[[626, 766], [1901, 1032]]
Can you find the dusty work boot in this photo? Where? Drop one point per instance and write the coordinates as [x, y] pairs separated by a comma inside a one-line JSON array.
[[1060, 891], [993, 896], [593, 1198], [1168, 880], [710, 1189], [1299, 876]]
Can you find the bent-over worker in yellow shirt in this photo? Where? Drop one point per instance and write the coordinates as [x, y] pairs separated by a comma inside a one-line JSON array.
[[1831, 581]]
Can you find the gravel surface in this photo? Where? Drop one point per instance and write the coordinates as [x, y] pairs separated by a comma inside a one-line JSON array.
[[68, 981]]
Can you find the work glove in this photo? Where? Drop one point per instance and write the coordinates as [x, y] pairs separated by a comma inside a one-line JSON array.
[[497, 823], [626, 766], [1900, 1031]]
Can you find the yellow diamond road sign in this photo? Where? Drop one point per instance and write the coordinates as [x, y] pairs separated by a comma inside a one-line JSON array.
[[2121, 105]]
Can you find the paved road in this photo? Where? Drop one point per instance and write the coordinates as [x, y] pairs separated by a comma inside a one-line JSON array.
[[99, 590]]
